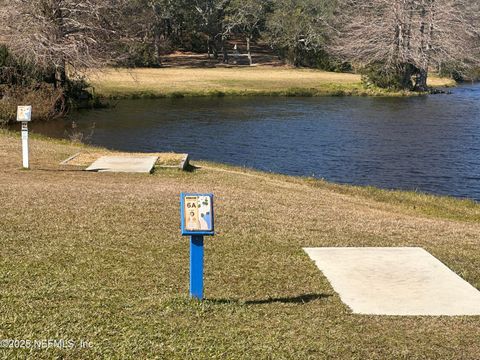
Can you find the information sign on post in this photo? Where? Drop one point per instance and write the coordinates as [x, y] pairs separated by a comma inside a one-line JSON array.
[[196, 211], [24, 115]]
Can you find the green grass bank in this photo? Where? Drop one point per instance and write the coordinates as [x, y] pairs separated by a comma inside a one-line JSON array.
[[99, 258]]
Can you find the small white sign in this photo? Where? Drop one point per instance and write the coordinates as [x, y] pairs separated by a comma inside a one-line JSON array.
[[24, 113]]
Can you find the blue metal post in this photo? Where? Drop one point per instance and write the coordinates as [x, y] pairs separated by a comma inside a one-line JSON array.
[[196, 266]]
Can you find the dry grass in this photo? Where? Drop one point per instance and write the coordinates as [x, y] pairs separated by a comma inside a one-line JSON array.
[[99, 257], [435, 81], [118, 83]]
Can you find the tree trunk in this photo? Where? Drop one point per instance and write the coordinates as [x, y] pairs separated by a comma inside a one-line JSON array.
[[156, 44], [224, 51], [421, 80], [156, 35], [212, 48], [60, 76], [249, 53], [296, 54], [407, 71], [291, 56], [426, 34], [60, 69]]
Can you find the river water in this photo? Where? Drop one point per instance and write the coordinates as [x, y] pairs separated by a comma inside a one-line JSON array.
[[428, 143]]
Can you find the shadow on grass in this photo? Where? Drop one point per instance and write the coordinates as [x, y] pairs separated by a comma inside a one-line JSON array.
[[191, 168], [300, 299], [55, 170]]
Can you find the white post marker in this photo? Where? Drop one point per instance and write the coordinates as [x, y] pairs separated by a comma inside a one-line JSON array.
[[24, 115]]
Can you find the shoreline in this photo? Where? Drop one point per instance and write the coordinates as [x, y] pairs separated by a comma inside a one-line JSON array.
[[393, 196], [369, 191], [293, 92]]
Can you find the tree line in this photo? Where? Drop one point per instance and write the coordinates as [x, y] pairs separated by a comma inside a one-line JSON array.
[[394, 43]]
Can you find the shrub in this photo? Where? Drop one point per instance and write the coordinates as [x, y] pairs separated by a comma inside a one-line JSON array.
[[459, 72], [322, 60], [386, 77], [19, 73], [47, 102]]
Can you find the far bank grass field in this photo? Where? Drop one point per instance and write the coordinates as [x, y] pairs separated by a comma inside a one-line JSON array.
[[262, 80], [99, 257]]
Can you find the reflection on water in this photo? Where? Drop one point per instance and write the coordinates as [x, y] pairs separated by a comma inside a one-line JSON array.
[[429, 143]]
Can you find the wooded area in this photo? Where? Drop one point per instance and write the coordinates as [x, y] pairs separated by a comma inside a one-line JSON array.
[[394, 43]]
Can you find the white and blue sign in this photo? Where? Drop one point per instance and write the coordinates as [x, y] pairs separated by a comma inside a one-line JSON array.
[[196, 213]]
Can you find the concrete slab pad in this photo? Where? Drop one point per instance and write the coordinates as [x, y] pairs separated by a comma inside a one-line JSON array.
[[395, 281], [143, 164]]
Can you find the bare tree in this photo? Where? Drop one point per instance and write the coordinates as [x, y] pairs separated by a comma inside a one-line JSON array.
[[447, 30], [299, 25], [152, 23], [409, 36], [211, 15], [56, 34], [246, 17]]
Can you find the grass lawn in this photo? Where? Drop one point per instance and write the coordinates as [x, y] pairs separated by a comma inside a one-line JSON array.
[[124, 83], [98, 257]]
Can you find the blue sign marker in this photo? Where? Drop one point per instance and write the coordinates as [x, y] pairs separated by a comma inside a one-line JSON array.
[[197, 221]]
